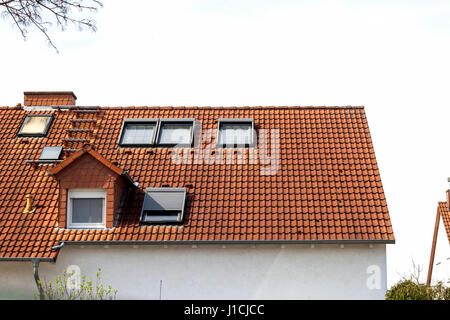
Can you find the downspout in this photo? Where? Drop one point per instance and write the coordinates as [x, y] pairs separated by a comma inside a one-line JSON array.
[[35, 263]]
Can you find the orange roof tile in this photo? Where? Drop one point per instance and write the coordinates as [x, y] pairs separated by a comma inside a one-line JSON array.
[[327, 187], [86, 149], [445, 215]]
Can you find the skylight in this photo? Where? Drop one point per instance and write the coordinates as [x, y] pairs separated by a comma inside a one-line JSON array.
[[176, 132], [50, 153], [163, 205], [235, 132], [138, 132], [35, 126]]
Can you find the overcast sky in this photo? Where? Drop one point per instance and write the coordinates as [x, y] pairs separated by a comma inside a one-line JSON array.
[[393, 57]]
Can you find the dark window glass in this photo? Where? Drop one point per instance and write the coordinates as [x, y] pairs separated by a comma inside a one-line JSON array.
[[87, 210]]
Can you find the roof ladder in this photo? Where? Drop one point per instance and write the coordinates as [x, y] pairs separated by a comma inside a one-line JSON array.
[[83, 123], [82, 110]]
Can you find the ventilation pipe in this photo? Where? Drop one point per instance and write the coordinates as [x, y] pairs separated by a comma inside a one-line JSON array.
[[29, 208]]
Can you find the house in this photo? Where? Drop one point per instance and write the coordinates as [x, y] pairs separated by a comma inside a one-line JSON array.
[[192, 202], [439, 267]]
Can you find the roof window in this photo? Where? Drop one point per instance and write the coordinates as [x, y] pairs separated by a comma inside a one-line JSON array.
[[50, 153], [163, 205], [138, 132], [35, 126], [235, 132], [176, 132]]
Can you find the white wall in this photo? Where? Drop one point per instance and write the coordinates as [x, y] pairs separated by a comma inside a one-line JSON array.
[[441, 267], [214, 272]]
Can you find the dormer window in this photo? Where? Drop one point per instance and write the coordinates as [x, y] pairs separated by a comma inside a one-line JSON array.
[[163, 205], [176, 132], [138, 132], [86, 208], [235, 132], [36, 125]]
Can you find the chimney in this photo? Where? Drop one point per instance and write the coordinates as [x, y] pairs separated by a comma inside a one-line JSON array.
[[448, 196], [49, 98]]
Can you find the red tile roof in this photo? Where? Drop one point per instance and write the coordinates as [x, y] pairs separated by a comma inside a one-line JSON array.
[[327, 188], [49, 98], [86, 149], [445, 215]]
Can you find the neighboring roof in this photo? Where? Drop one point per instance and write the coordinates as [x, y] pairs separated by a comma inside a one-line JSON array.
[[328, 186], [442, 212], [445, 215]]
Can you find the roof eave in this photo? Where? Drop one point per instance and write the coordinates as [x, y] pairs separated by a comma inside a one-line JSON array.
[[231, 242]]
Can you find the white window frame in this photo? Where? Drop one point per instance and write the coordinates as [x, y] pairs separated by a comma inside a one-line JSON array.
[[85, 193]]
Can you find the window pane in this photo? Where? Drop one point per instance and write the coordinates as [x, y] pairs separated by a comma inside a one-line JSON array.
[[175, 133], [235, 133], [138, 133], [35, 125], [50, 153], [163, 205], [87, 210]]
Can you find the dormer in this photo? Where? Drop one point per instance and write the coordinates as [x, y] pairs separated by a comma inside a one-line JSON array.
[[90, 188]]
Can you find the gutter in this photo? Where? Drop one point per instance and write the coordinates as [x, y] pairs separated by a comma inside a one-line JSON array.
[[59, 246], [28, 259], [228, 242], [199, 242]]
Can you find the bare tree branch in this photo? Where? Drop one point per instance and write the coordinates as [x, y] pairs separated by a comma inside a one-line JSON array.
[[39, 14]]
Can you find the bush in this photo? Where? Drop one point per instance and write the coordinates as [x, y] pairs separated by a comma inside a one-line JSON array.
[[60, 289], [410, 288]]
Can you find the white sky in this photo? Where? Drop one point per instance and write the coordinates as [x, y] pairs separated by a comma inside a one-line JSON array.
[[393, 57]]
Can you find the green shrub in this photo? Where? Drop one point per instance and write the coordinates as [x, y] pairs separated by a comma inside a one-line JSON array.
[[408, 290], [59, 289]]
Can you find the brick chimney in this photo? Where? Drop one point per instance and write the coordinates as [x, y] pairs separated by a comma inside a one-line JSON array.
[[49, 98]]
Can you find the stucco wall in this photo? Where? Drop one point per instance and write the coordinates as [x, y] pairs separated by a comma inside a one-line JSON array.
[[214, 272]]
